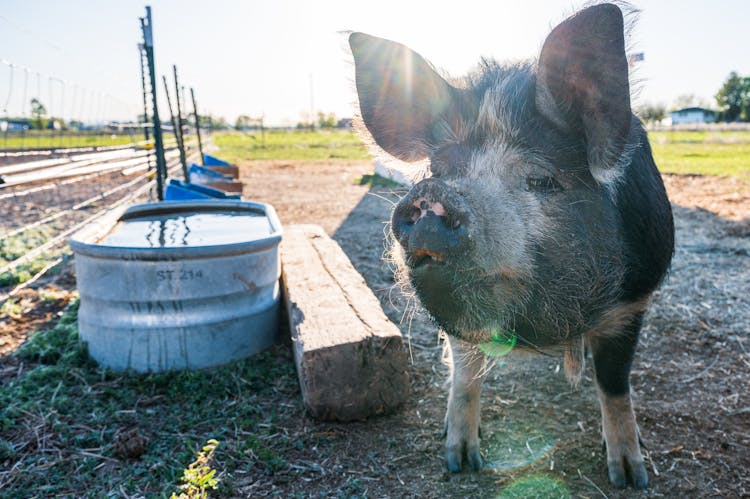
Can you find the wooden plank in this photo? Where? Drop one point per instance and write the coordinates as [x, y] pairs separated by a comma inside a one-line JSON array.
[[230, 187], [230, 170], [350, 357]]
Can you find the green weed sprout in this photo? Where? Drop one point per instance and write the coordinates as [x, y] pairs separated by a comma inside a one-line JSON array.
[[199, 477]]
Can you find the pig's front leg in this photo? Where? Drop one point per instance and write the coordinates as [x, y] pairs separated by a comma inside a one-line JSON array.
[[612, 359], [462, 418]]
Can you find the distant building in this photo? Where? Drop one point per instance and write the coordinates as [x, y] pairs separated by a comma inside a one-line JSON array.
[[693, 115], [14, 125]]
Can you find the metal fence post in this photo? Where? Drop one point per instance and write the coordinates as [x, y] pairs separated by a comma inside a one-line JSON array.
[[197, 126], [148, 43]]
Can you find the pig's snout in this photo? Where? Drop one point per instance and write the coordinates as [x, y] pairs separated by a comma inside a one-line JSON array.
[[431, 224]]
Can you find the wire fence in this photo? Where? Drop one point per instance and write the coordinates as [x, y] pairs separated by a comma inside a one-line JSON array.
[[34, 244]]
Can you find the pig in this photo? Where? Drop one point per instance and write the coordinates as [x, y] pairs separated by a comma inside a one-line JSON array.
[[542, 224]]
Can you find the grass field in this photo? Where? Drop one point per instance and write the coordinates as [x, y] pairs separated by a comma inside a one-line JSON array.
[[300, 145], [723, 153], [49, 139]]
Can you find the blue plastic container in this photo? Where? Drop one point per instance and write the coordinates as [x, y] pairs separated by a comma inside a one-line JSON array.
[[178, 190], [209, 160], [201, 175]]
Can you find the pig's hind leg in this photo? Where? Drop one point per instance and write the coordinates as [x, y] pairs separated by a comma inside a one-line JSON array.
[[613, 355], [462, 417]]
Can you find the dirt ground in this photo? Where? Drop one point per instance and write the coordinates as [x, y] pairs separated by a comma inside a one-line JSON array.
[[691, 377]]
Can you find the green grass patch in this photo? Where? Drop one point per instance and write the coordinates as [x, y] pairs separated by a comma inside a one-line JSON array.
[[15, 247], [34, 139], [301, 145], [24, 271], [10, 308], [378, 181], [721, 153], [29, 269], [68, 427]]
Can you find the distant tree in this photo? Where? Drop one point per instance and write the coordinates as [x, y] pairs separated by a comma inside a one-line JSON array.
[[326, 120], [37, 111], [688, 100], [243, 122], [307, 121], [733, 98], [220, 123], [651, 113], [210, 122]]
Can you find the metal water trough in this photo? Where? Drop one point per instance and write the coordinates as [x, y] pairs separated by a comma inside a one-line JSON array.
[[171, 286]]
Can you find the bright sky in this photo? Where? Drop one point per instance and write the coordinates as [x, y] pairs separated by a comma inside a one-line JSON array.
[[262, 57]]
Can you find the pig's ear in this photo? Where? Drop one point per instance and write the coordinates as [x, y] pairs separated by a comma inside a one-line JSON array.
[[583, 87], [402, 99]]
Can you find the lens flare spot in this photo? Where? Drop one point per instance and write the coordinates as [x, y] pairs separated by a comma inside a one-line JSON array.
[[515, 447], [501, 344]]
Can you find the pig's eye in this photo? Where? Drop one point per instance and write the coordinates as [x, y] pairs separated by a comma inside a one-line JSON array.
[[545, 185]]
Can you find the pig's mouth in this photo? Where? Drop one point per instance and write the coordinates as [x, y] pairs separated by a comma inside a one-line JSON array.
[[462, 299], [426, 258]]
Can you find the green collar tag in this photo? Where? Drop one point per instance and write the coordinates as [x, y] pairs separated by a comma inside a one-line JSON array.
[[501, 344]]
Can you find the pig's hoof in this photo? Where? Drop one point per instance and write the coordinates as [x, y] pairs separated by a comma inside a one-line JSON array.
[[634, 469], [457, 454]]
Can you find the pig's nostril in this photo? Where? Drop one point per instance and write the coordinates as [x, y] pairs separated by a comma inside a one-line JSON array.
[[404, 219], [415, 215]]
